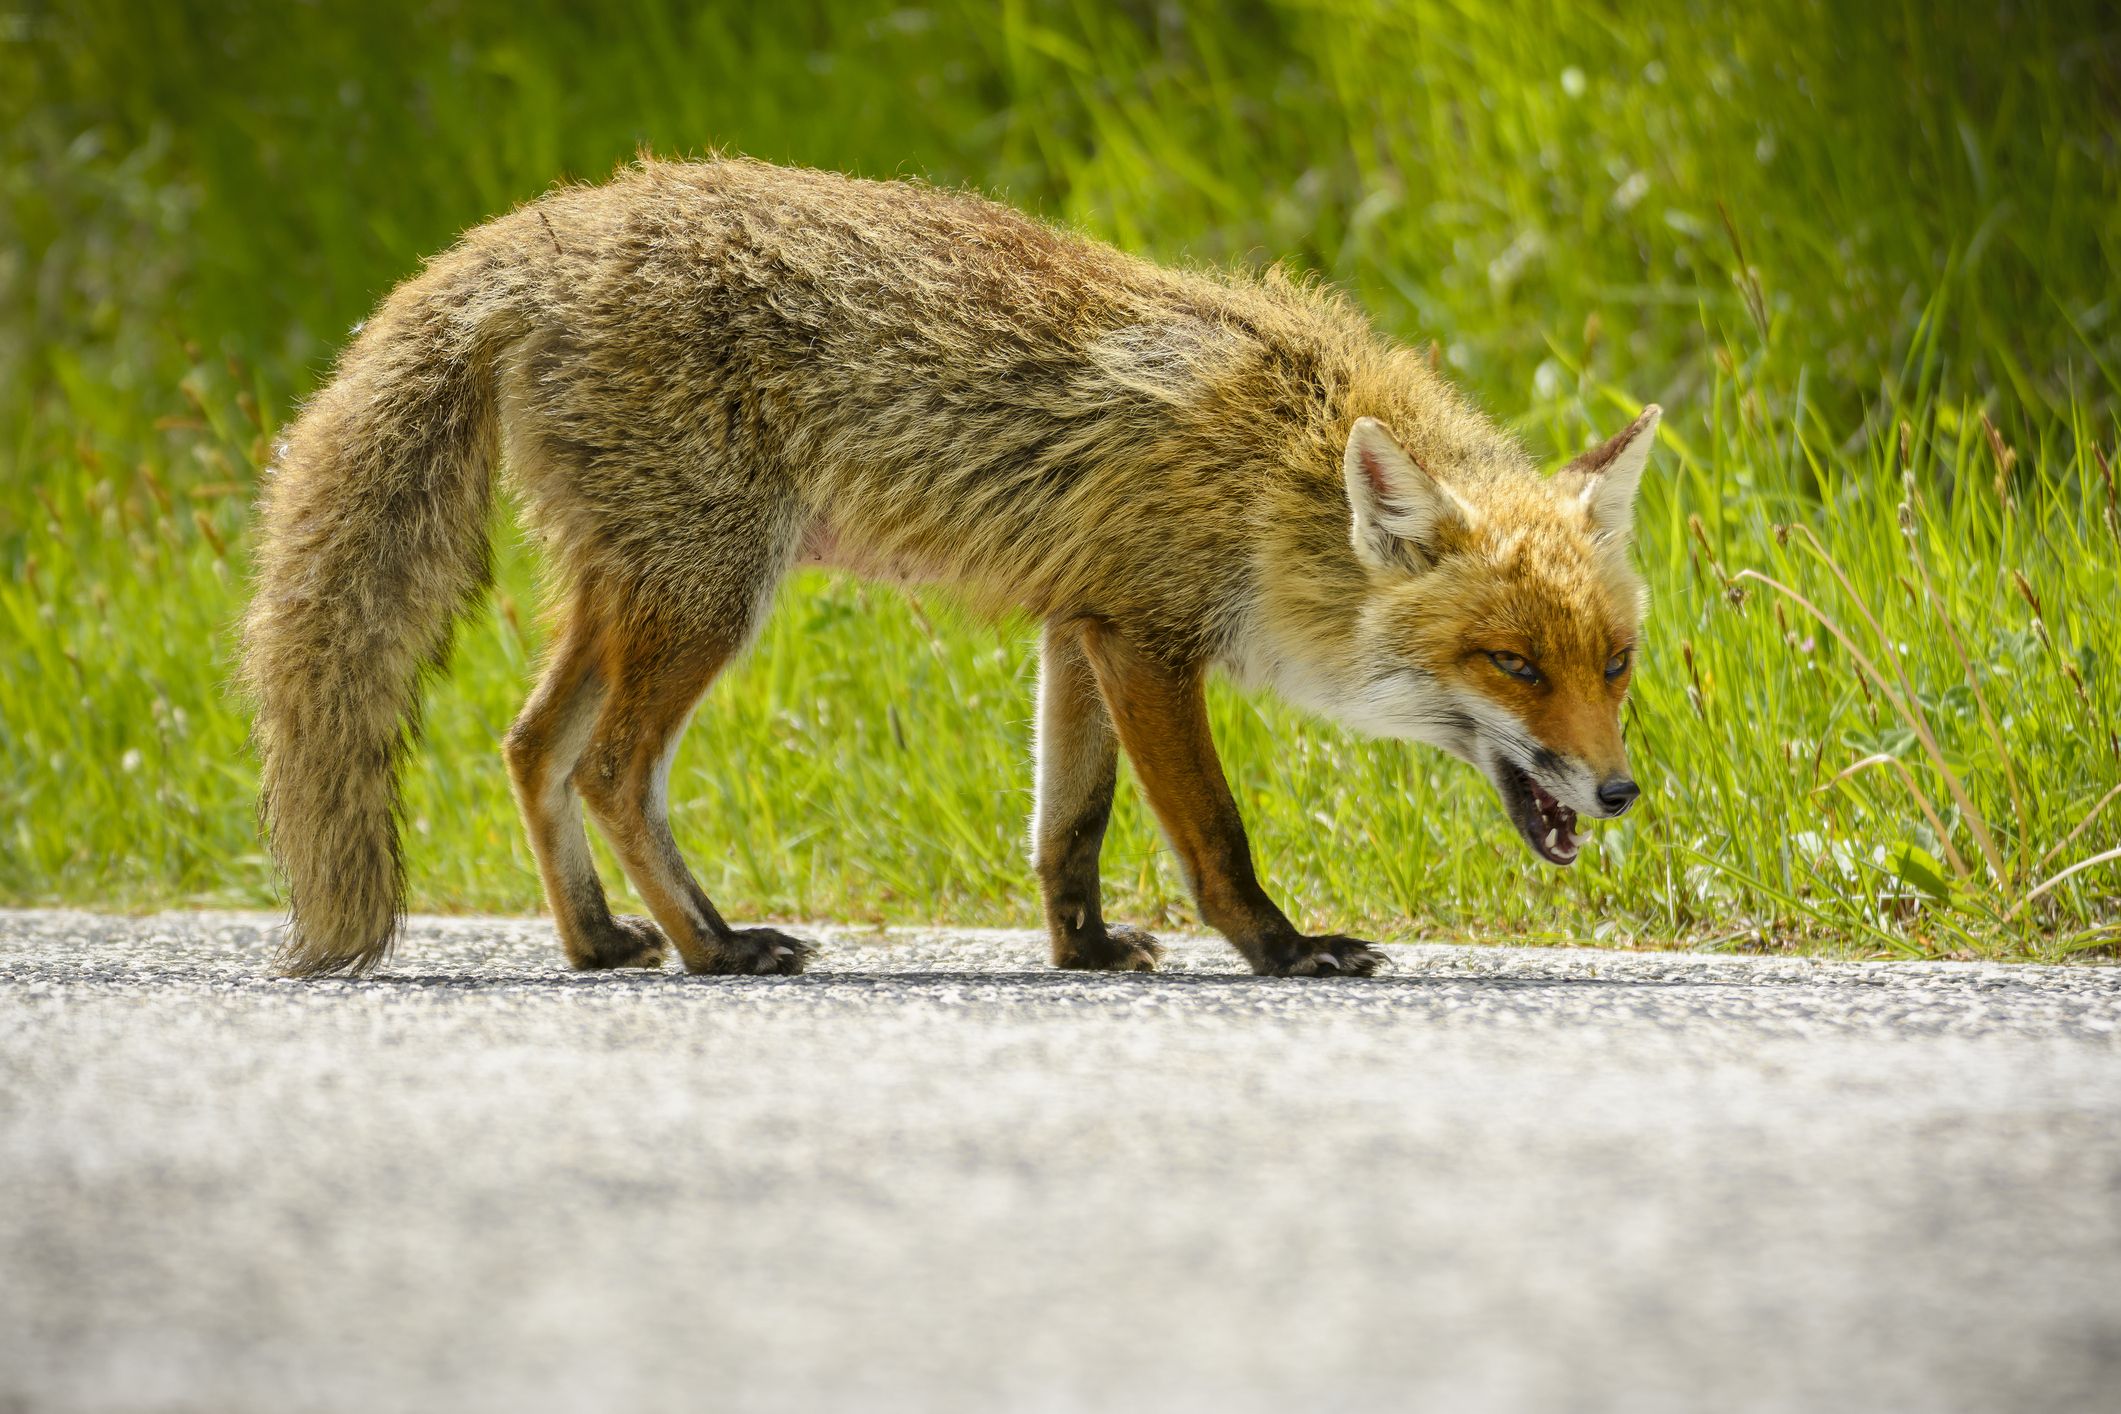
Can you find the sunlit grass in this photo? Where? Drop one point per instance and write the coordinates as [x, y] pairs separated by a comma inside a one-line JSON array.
[[1868, 273]]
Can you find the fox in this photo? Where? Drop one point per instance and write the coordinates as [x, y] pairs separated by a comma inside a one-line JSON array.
[[700, 376]]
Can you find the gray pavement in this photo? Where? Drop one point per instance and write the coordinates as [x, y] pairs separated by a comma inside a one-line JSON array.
[[933, 1175]]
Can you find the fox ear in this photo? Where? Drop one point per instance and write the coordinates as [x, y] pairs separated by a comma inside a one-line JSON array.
[[1608, 475], [1399, 510]]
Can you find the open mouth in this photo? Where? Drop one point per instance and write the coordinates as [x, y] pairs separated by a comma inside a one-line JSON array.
[[1547, 825]]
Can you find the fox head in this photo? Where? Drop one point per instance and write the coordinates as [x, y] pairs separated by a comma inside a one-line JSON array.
[[1499, 620]]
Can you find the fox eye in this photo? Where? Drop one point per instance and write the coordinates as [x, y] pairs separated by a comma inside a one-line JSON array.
[[1618, 663], [1515, 666]]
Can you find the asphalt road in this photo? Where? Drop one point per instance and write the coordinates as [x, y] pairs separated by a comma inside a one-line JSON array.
[[933, 1175]]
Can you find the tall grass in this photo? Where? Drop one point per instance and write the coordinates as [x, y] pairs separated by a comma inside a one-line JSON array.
[[1865, 259]]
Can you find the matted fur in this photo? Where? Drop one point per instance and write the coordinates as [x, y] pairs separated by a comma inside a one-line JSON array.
[[699, 375]]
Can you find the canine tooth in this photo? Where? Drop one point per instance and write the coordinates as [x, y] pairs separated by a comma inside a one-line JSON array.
[[1550, 839]]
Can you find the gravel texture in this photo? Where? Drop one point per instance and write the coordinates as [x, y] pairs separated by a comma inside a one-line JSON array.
[[934, 1175]]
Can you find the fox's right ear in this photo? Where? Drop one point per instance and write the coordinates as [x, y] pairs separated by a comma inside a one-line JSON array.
[[1399, 511]]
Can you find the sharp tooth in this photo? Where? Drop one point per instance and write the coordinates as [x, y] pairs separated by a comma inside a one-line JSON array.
[[1550, 839]]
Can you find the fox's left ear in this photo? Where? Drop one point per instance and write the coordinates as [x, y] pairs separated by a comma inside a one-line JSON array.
[[1608, 475]]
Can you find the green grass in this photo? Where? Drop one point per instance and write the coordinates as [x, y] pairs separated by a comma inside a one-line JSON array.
[[1864, 258]]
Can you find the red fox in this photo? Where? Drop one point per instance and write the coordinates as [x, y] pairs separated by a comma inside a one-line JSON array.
[[700, 376]]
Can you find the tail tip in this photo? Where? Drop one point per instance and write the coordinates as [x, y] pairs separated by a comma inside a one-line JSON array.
[[302, 957]]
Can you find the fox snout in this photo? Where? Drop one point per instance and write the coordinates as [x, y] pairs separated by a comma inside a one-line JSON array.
[[1545, 805], [1549, 779]]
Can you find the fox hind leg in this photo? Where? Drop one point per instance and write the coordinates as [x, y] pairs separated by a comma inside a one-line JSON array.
[[657, 667], [542, 748], [1078, 763]]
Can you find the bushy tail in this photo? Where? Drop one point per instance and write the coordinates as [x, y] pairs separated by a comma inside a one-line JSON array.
[[373, 539]]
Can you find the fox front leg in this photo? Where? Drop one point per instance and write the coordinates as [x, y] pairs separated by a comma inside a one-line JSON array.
[[1078, 763], [1160, 713]]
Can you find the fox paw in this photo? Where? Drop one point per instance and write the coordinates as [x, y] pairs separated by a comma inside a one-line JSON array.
[[1122, 949], [628, 942], [1329, 956], [754, 952]]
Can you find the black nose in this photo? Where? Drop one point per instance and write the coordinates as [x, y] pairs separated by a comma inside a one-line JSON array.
[[1617, 794]]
